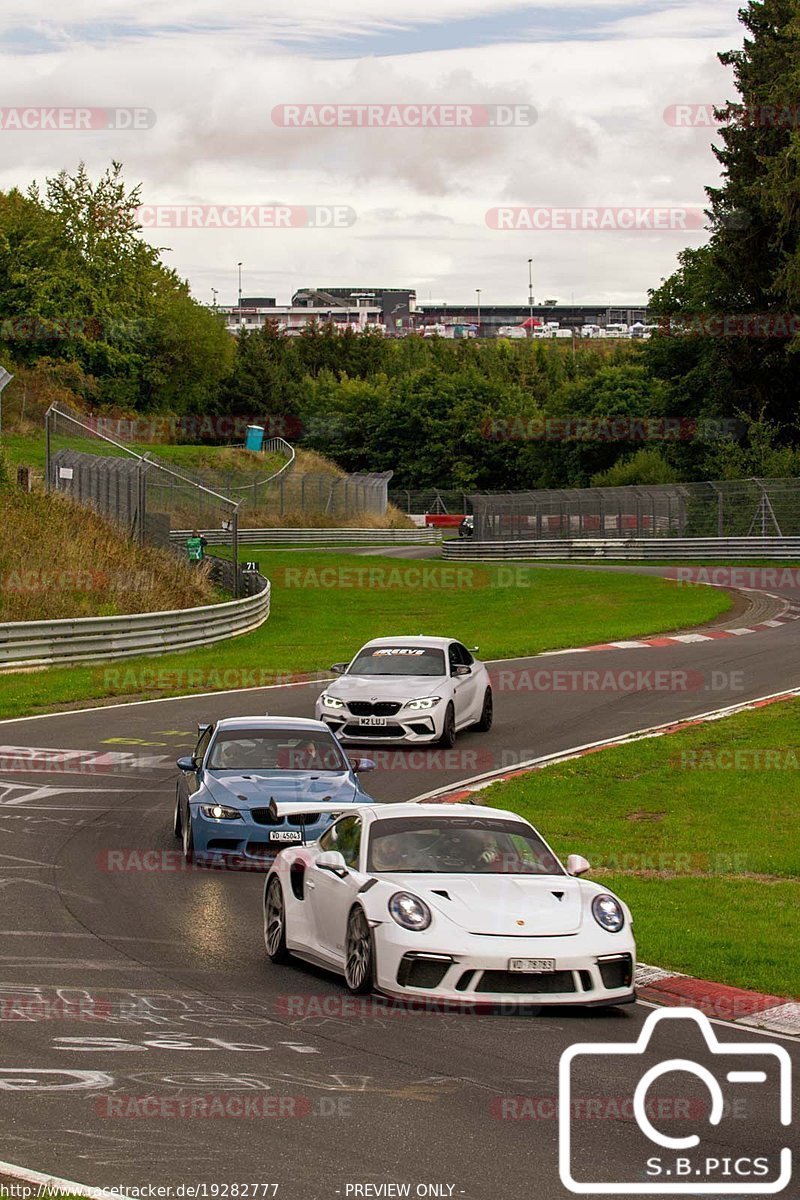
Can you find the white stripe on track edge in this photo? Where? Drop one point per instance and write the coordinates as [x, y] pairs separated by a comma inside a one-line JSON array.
[[56, 1184]]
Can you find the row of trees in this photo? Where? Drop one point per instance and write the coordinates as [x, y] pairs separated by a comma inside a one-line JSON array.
[[79, 285], [89, 307]]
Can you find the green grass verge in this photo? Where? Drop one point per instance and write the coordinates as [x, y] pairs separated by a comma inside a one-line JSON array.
[[325, 606], [699, 832], [29, 450]]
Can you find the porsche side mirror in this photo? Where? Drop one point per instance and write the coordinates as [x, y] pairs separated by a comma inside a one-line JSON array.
[[462, 669], [339, 668], [333, 861], [187, 764], [362, 764], [577, 865]]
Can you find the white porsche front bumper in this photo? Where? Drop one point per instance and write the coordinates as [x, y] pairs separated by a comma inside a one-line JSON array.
[[591, 967]]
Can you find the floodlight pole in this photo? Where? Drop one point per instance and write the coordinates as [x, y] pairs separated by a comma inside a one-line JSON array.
[[235, 550], [47, 483]]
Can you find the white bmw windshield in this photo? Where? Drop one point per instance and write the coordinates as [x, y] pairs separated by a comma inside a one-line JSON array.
[[399, 660]]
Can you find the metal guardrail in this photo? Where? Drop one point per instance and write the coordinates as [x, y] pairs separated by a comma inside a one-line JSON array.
[[29, 644], [641, 549], [319, 537]]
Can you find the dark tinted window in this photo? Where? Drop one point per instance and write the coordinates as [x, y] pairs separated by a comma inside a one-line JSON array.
[[459, 845], [274, 750]]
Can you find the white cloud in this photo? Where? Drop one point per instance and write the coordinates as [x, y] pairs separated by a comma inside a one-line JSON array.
[[421, 196]]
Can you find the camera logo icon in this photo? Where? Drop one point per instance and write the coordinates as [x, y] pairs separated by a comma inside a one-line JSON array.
[[720, 1091]]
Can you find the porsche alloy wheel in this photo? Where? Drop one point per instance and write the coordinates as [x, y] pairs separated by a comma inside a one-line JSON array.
[[358, 966]]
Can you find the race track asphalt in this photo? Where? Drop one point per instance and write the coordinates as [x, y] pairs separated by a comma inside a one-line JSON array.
[[118, 985]]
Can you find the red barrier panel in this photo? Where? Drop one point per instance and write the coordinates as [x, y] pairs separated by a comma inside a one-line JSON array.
[[444, 520]]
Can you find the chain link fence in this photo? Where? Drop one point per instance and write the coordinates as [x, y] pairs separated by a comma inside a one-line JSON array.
[[143, 495], [727, 508], [431, 500]]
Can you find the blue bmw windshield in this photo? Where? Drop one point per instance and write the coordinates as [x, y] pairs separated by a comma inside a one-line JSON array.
[[274, 750]]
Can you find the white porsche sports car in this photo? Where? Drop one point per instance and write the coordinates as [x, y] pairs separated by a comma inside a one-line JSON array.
[[407, 689], [465, 905]]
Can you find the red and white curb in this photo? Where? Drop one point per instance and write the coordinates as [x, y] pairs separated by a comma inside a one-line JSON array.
[[789, 612], [758, 1010], [774, 1014]]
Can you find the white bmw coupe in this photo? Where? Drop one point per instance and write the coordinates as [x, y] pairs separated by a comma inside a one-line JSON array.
[[407, 689], [464, 905]]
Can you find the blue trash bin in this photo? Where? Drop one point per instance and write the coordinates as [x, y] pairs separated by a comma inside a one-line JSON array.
[[255, 437]]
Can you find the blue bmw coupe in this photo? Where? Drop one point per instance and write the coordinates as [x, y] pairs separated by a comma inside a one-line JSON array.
[[240, 764]]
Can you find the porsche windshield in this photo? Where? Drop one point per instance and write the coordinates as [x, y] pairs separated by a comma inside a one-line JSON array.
[[398, 660], [466, 845], [274, 750]]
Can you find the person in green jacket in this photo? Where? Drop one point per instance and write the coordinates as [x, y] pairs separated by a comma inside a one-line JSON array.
[[195, 546]]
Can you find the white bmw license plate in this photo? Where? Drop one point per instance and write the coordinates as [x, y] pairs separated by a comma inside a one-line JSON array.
[[286, 835], [540, 965], [372, 721]]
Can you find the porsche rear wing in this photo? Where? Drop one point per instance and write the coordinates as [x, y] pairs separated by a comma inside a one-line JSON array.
[[299, 808]]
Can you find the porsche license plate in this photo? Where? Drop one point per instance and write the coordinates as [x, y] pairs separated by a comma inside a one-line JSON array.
[[534, 965], [286, 835], [373, 721]]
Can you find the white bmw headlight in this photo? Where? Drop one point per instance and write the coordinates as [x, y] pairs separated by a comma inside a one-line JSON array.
[[607, 911], [331, 701], [426, 702], [220, 812], [409, 911]]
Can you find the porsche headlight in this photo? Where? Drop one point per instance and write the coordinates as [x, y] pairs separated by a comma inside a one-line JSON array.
[[409, 911], [607, 911], [220, 812], [426, 702], [331, 701]]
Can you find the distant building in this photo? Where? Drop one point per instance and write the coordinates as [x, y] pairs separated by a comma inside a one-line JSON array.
[[394, 312]]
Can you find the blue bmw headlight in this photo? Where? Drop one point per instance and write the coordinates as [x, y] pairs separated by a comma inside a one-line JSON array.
[[220, 812]]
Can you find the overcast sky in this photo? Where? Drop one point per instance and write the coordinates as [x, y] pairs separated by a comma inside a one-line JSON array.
[[598, 75]]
